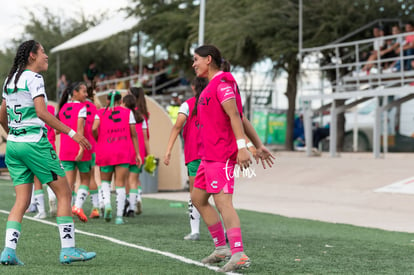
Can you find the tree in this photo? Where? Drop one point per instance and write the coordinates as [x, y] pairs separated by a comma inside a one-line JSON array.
[[168, 25], [249, 31], [51, 31]]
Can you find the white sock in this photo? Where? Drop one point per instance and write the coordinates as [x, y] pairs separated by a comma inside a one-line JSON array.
[[194, 218], [39, 198], [73, 198], [50, 194], [81, 195], [100, 197], [120, 200], [106, 192], [139, 197], [12, 234], [66, 231], [94, 198], [133, 198], [32, 199]]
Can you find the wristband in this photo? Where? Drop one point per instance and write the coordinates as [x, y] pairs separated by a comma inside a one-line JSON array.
[[248, 145], [241, 143], [71, 133]]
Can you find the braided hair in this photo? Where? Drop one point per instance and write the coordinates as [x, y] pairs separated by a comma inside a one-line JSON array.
[[21, 60]]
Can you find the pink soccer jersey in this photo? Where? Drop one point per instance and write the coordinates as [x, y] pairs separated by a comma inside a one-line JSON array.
[[141, 143], [90, 117], [216, 134], [69, 115], [51, 134], [114, 140], [190, 134]]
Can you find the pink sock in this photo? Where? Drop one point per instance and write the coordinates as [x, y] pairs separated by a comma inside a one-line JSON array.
[[217, 233], [235, 240]]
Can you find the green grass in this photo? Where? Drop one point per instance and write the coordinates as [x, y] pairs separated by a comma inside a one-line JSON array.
[[275, 244]]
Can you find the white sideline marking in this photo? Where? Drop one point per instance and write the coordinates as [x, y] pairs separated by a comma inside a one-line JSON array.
[[405, 186], [113, 240]]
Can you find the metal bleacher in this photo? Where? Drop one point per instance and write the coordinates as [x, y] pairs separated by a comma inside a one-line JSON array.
[[355, 87]]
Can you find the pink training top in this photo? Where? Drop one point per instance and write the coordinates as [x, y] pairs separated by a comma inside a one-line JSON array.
[[216, 134], [90, 118], [69, 115], [191, 134], [51, 134], [141, 141], [114, 140]]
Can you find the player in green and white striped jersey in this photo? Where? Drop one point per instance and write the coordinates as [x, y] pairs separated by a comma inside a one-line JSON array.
[[23, 114]]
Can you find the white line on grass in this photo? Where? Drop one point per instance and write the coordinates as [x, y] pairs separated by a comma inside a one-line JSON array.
[[167, 254]]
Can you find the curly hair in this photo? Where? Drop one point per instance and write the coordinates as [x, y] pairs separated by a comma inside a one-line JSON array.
[[21, 60]]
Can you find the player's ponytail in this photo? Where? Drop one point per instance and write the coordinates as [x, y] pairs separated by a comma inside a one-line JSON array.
[[199, 84], [73, 86]]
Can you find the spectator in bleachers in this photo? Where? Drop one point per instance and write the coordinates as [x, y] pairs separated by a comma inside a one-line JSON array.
[[408, 48], [90, 73], [391, 48], [378, 46]]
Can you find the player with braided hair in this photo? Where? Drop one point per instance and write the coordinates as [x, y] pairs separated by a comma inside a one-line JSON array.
[[23, 115]]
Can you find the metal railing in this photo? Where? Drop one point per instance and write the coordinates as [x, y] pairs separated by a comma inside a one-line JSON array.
[[135, 78], [351, 83]]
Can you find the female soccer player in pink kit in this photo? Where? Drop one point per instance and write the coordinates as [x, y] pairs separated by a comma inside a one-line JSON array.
[[129, 101], [142, 126], [73, 113], [114, 129], [187, 121], [222, 145]]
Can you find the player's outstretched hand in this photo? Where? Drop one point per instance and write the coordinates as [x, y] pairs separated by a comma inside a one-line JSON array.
[[265, 156]]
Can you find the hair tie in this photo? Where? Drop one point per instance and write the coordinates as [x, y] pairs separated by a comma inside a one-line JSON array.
[[113, 94]]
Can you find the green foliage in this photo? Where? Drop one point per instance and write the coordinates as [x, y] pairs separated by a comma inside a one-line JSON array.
[[168, 25], [50, 30]]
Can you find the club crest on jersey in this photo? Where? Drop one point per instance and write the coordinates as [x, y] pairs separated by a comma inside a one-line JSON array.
[[214, 184]]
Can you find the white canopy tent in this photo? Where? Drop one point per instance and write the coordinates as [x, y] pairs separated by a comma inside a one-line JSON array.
[[104, 30]]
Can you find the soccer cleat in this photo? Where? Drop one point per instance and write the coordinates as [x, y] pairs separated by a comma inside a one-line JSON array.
[[71, 254], [108, 213], [125, 212], [79, 212], [8, 257], [94, 214], [138, 208], [32, 208], [130, 213], [220, 254], [52, 208], [119, 220], [192, 237], [237, 261], [40, 215]]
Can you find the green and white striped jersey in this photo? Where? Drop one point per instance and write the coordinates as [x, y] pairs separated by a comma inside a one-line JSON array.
[[24, 124]]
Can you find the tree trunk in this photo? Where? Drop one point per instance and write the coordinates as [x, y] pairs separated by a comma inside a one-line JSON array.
[[291, 92]]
